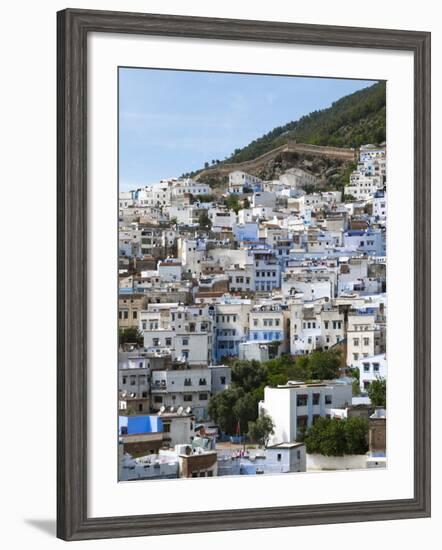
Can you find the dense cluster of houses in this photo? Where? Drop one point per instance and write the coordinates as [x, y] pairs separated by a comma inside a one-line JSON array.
[[282, 272]]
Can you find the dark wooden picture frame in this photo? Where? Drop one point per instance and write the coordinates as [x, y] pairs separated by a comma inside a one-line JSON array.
[[73, 28]]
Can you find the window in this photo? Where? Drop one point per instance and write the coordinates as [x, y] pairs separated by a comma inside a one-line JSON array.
[[223, 380], [326, 327], [187, 397], [158, 399], [133, 380], [316, 397], [278, 457], [366, 367], [187, 381], [185, 341], [210, 473], [126, 314], [155, 342], [168, 341], [203, 396], [166, 427], [328, 399], [366, 341], [203, 382], [356, 341], [134, 314], [124, 380], [301, 400], [375, 367]]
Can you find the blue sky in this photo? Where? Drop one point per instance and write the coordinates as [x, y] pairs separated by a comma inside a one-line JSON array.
[[173, 121]]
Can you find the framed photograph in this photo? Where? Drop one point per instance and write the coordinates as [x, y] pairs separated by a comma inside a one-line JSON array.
[[243, 274]]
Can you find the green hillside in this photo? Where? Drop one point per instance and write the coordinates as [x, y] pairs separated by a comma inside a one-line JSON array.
[[349, 122]]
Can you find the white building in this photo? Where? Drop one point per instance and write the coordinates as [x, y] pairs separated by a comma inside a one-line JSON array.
[[372, 368], [254, 350], [232, 326], [182, 388], [286, 458], [241, 279], [221, 217], [296, 177], [294, 407], [170, 270], [364, 336], [188, 186], [362, 187], [238, 181], [263, 199]]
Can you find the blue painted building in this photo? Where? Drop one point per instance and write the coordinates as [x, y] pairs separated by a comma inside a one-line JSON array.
[[130, 425]]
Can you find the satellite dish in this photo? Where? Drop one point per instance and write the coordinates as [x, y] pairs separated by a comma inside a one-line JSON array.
[[124, 394], [162, 409], [172, 409], [188, 410], [180, 410], [132, 394]]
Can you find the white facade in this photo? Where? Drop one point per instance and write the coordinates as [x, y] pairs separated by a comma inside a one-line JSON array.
[[286, 458], [182, 388], [170, 270], [363, 338], [294, 407], [239, 180], [372, 368]]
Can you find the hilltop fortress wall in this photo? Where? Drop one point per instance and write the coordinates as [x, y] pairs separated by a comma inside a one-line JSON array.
[[340, 153]]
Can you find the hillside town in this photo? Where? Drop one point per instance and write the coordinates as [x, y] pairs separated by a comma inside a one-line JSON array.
[[251, 317]]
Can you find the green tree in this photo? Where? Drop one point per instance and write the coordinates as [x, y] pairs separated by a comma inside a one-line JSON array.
[[261, 429], [355, 388], [232, 203], [248, 375], [206, 198], [324, 365], [356, 435], [220, 409], [231, 406], [284, 368], [348, 198], [377, 392], [130, 335], [335, 437], [204, 220]]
